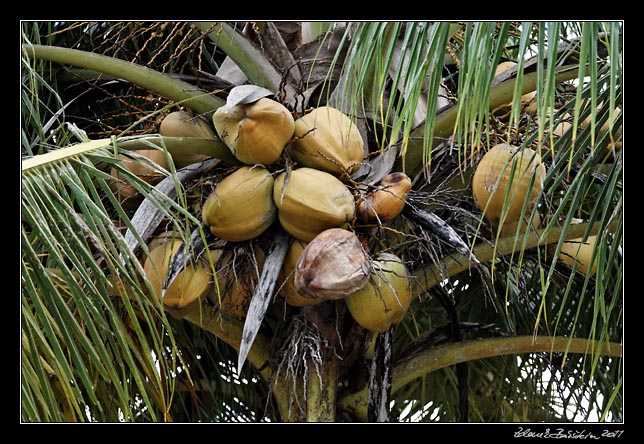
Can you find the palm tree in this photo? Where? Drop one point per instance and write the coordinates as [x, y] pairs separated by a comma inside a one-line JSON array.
[[501, 327]]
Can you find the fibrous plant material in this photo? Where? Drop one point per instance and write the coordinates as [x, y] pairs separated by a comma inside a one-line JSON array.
[[333, 265], [303, 348], [238, 273]]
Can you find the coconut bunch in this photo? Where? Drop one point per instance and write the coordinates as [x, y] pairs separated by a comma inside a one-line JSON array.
[[294, 171]]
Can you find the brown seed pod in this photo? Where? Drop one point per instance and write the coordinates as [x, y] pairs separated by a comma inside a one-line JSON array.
[[387, 202], [333, 265], [386, 297]]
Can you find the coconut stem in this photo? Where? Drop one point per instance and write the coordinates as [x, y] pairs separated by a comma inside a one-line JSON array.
[[250, 60], [440, 357], [174, 89], [430, 275], [322, 372]]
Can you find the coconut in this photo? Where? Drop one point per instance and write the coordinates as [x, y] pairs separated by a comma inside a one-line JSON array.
[[287, 274], [387, 201], [121, 186], [333, 265], [187, 290], [520, 226], [256, 132], [327, 139], [528, 103], [386, 297], [578, 252], [241, 207], [185, 124], [504, 178], [310, 201]]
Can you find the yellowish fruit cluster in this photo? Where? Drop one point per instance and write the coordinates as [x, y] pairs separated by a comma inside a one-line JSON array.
[[315, 201]]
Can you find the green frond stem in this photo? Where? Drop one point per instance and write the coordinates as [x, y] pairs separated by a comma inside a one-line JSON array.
[[247, 57], [176, 90], [184, 145], [321, 390], [455, 353], [445, 122], [427, 277]]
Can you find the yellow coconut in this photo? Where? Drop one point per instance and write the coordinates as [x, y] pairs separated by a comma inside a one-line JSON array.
[[606, 125], [503, 66], [562, 126], [386, 298], [186, 124], [241, 207], [528, 102], [505, 178], [581, 253], [327, 139], [120, 184], [256, 132], [310, 201], [187, 290]]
